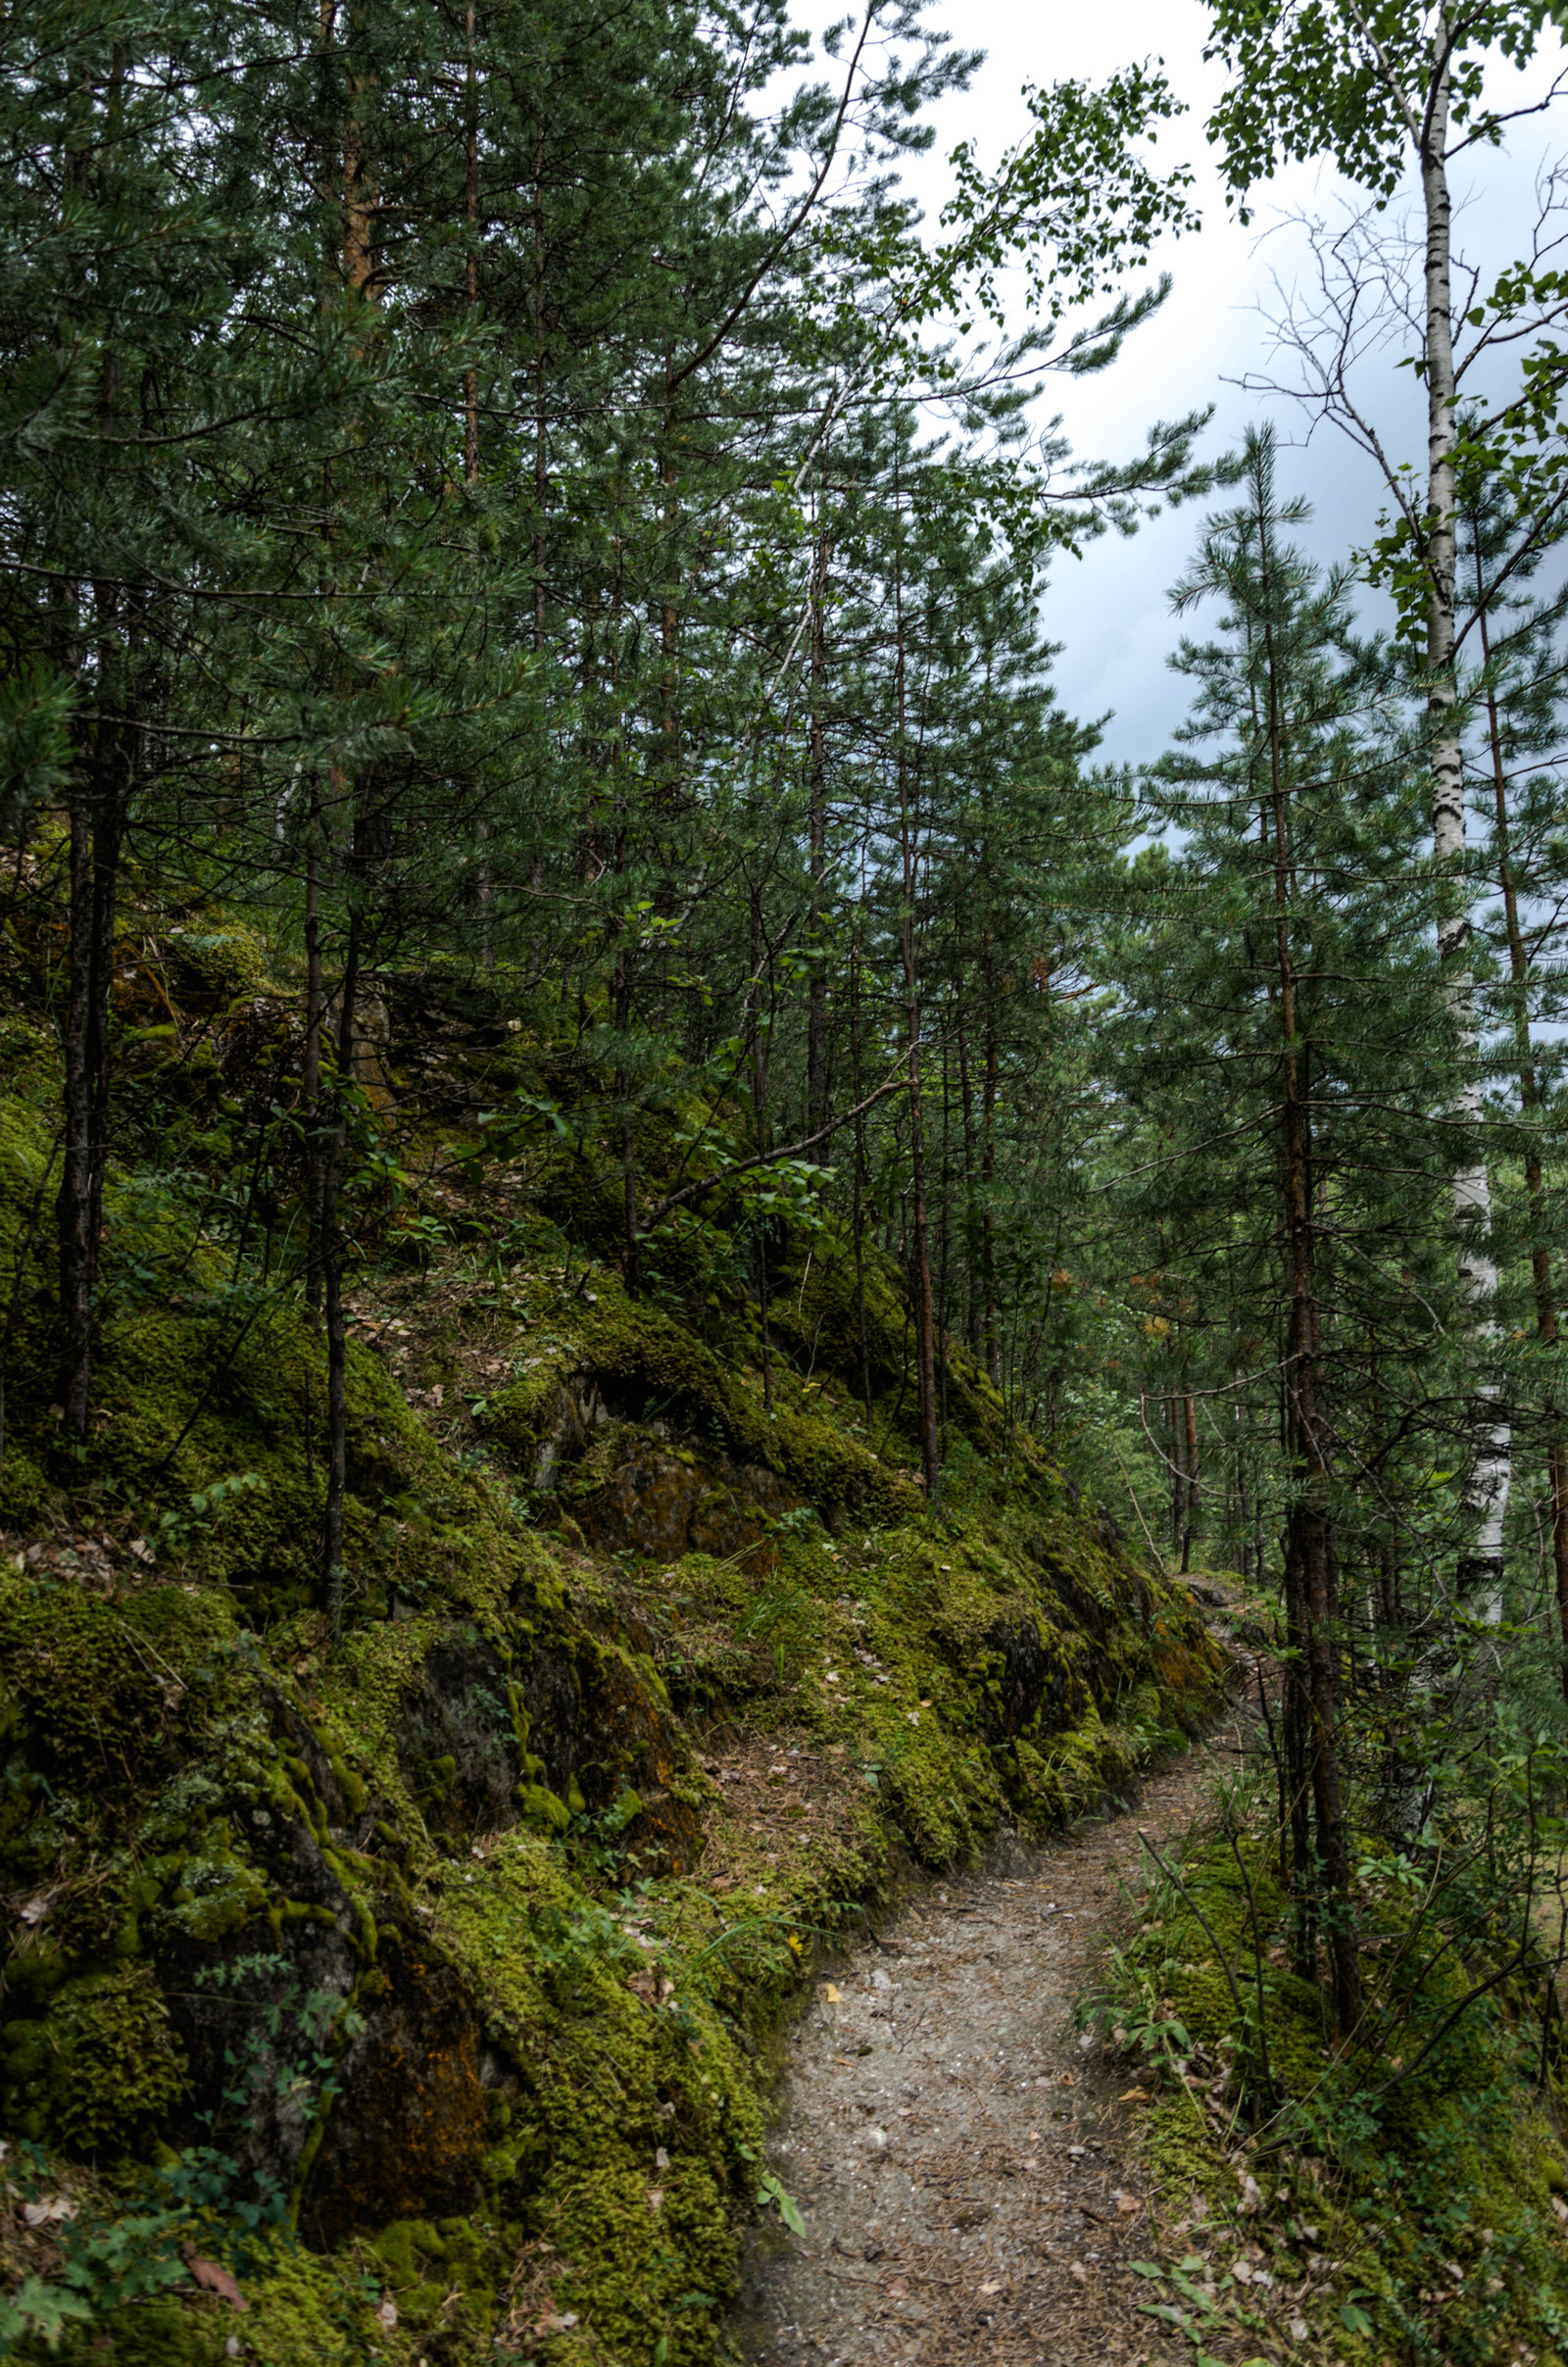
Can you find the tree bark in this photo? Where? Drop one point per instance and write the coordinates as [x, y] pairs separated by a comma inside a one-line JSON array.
[[332, 1282], [1530, 1094], [98, 799], [1312, 1580], [816, 817], [311, 1080], [919, 1243], [1190, 1509], [1478, 1577]]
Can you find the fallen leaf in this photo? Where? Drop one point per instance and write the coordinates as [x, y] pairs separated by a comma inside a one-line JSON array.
[[1078, 2273], [556, 2321], [48, 2210], [899, 2287], [1251, 2194], [1129, 2206], [1134, 2095], [655, 2196], [387, 2314], [660, 2158], [992, 2284], [834, 1996], [216, 2279]]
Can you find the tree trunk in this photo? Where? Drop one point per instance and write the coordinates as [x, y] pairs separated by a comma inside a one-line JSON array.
[[98, 799], [1311, 1566], [1531, 1097], [311, 1080], [920, 1244], [1193, 1485], [1480, 1572], [859, 1185], [817, 991], [336, 1148]]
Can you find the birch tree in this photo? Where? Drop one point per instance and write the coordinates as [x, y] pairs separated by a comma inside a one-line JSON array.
[[1386, 91]]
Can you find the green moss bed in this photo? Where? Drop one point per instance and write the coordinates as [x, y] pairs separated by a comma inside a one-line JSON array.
[[420, 1986]]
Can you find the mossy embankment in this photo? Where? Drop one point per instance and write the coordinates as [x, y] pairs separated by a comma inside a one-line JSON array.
[[426, 1976]]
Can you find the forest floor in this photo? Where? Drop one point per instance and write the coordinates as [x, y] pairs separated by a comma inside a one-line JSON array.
[[967, 2163]]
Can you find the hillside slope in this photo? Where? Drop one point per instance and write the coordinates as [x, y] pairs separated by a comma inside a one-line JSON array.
[[421, 1979]]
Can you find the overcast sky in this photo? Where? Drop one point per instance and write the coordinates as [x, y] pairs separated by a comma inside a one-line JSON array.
[[1111, 607]]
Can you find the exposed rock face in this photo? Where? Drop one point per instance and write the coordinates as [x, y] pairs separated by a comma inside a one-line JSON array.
[[552, 1700], [406, 2137], [456, 1742], [1034, 1684], [662, 1506], [255, 2012]]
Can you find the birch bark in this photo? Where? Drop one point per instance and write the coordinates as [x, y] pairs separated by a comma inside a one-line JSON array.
[[1479, 1575]]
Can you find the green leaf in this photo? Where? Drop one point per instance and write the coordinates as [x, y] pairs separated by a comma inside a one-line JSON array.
[[772, 2190]]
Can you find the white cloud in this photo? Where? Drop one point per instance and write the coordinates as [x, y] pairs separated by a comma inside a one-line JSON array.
[[1110, 609]]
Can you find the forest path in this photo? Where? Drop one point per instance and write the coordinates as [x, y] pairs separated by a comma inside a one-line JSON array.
[[966, 2170]]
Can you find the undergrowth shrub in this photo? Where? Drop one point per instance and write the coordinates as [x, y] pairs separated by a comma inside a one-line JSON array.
[[1400, 2187]]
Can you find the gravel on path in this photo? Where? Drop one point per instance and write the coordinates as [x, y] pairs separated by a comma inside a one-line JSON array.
[[965, 2163]]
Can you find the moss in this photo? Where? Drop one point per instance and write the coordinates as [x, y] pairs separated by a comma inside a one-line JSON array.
[[99, 2071], [307, 2312], [164, 2331]]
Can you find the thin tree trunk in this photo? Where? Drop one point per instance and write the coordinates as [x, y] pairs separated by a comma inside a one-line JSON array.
[[632, 1253], [541, 425], [919, 1245], [816, 991], [311, 1081], [971, 1246], [758, 1106], [333, 1281], [942, 1268], [1312, 1568], [1530, 1094], [859, 1214], [1193, 1485], [98, 799], [470, 383], [1480, 1573], [990, 1075]]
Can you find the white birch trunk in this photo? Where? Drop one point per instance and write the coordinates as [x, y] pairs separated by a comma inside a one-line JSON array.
[[1480, 1582]]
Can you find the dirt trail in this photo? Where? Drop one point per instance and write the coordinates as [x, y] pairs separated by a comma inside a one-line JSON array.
[[966, 2170]]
